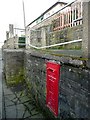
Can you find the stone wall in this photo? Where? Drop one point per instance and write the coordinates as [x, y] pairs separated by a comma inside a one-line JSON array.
[[73, 97], [73, 85], [13, 61], [65, 35], [11, 43], [46, 36], [35, 74]]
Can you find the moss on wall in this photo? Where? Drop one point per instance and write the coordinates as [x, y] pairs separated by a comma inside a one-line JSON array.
[[15, 79], [13, 66]]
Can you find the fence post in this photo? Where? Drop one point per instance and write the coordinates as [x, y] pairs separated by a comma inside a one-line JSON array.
[[27, 34], [43, 35], [86, 32]]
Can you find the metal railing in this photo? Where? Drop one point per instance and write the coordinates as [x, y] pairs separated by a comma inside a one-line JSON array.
[[68, 16], [59, 44]]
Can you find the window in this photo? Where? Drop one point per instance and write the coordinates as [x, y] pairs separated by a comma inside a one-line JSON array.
[[74, 15]]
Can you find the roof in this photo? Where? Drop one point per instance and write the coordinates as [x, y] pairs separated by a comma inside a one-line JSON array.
[[47, 11]]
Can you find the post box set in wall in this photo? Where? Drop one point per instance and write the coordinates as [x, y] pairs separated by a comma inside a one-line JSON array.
[[52, 86]]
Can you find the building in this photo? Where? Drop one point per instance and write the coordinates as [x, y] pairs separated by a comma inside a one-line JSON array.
[[59, 16], [49, 12], [42, 20], [15, 38]]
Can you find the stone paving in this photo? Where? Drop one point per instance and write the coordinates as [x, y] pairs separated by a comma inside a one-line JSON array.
[[16, 104]]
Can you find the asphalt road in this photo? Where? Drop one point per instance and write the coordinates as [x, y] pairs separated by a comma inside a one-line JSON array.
[[0, 84]]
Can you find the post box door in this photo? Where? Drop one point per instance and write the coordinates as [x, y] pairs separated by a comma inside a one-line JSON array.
[[52, 86]]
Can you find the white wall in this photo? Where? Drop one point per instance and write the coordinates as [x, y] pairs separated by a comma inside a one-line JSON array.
[[53, 10]]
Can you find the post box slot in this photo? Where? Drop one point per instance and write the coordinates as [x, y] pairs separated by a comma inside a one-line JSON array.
[[51, 69]]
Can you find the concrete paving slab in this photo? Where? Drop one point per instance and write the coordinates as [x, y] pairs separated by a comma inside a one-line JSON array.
[[38, 116], [24, 99], [20, 110], [34, 112], [10, 97], [11, 112], [29, 106], [7, 91], [17, 105], [26, 114], [8, 102]]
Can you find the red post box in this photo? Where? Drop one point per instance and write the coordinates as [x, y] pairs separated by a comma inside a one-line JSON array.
[[52, 86]]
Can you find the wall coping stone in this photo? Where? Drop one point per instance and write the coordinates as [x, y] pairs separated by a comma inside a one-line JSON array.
[[13, 50], [62, 59]]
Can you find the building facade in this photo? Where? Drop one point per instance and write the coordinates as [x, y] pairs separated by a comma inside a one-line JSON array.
[[59, 16]]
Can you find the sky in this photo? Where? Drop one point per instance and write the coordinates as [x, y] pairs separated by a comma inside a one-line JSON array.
[[11, 12]]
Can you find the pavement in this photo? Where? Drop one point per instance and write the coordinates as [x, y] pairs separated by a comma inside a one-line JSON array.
[[14, 102], [0, 85]]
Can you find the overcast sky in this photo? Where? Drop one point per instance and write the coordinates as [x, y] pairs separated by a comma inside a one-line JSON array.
[[11, 12]]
